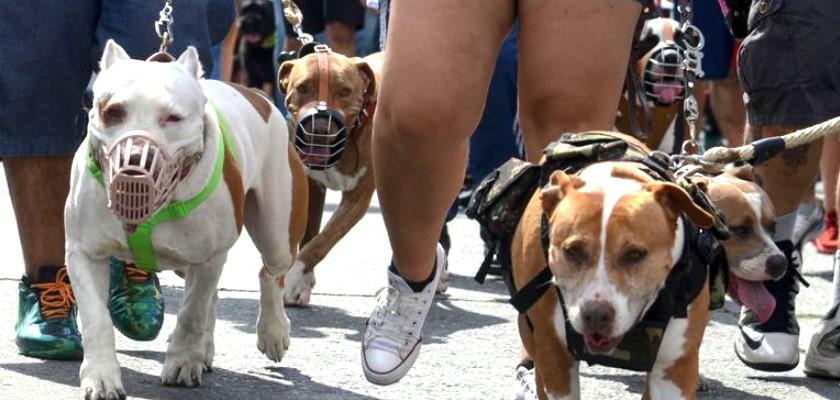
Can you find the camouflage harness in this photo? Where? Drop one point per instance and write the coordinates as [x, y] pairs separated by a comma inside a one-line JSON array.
[[500, 200]]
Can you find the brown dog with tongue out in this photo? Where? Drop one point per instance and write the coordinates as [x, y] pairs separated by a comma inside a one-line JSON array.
[[752, 255]]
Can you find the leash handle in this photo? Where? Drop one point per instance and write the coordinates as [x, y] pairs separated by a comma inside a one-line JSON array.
[[295, 18]]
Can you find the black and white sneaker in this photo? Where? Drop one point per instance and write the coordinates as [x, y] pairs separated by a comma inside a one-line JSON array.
[[823, 357], [773, 344]]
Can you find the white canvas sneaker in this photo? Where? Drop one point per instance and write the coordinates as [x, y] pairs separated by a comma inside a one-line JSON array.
[[823, 356], [392, 339]]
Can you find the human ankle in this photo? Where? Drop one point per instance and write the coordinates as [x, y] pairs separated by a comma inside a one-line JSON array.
[[416, 286]]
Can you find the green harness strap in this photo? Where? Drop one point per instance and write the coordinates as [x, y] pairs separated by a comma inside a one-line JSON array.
[[140, 242]]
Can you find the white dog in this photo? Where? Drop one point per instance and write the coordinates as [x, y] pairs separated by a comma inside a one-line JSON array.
[[163, 142]]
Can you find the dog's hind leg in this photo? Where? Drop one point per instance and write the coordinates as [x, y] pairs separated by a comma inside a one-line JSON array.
[[275, 216], [100, 372], [186, 357]]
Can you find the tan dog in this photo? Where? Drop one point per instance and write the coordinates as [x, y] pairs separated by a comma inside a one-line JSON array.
[[615, 234], [351, 91], [751, 254]]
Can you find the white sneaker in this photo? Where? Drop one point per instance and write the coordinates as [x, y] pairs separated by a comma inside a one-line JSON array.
[[392, 338], [525, 387], [808, 224], [823, 356]]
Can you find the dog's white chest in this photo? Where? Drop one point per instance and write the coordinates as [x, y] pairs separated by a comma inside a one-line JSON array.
[[335, 180]]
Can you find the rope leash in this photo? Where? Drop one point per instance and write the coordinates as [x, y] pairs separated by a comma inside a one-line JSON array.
[[755, 153]]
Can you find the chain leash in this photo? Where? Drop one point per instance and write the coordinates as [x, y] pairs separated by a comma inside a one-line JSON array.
[[163, 26], [692, 42]]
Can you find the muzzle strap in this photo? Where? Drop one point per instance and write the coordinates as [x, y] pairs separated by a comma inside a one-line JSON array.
[[323, 53]]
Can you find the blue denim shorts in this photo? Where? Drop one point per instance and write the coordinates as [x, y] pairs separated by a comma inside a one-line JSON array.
[[45, 69]]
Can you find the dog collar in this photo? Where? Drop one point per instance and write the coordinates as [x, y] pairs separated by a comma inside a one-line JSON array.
[[269, 42], [140, 241]]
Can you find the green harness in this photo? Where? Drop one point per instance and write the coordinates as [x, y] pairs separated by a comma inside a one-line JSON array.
[[140, 241]]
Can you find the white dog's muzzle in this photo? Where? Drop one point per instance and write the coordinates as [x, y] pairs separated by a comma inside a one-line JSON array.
[[141, 176]]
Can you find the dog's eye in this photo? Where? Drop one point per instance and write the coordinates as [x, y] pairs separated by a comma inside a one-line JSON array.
[[173, 118], [574, 252], [633, 256], [742, 231], [113, 114], [302, 89], [345, 92]]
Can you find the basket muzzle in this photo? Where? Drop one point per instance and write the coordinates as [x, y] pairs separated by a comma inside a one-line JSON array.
[[320, 136], [663, 74], [141, 176]]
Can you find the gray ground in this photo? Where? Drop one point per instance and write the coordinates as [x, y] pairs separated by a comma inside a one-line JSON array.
[[469, 351]]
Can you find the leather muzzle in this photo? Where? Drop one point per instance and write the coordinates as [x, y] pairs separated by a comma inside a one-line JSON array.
[[141, 176]]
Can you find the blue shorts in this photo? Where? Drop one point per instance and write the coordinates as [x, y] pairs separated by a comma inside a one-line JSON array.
[[44, 71]]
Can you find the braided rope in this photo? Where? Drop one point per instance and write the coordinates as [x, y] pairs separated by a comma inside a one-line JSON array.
[[725, 155]]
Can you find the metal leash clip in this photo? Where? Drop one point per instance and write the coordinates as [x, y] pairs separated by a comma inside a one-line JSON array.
[[163, 26]]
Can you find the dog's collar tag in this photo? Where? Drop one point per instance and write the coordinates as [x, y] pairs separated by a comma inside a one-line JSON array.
[[140, 239]]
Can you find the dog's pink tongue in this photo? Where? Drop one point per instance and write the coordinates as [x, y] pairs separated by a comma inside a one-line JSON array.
[[756, 297]]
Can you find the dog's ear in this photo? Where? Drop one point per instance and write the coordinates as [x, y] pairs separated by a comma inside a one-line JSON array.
[[189, 59], [559, 186], [283, 75], [677, 201], [112, 53], [367, 75], [745, 172]]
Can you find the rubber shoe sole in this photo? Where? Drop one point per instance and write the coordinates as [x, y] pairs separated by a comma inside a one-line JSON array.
[[394, 375]]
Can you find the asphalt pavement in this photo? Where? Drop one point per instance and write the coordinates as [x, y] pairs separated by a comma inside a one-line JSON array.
[[470, 339]]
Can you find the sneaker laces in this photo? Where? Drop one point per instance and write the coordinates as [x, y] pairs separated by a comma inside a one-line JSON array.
[[55, 298], [136, 275], [395, 317]]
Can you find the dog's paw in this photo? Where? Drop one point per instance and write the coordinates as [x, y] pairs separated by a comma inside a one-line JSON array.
[[101, 380], [209, 353], [273, 338], [183, 369], [298, 286]]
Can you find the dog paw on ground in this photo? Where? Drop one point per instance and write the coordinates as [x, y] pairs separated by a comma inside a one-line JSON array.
[[273, 338], [209, 352], [101, 380], [298, 286], [183, 368]]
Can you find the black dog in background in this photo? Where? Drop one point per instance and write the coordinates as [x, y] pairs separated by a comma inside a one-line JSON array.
[[257, 34]]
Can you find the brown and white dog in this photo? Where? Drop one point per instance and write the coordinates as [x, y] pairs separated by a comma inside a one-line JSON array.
[[614, 236], [351, 90], [152, 118], [751, 254]]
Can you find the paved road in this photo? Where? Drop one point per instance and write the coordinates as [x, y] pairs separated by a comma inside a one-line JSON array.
[[470, 346]]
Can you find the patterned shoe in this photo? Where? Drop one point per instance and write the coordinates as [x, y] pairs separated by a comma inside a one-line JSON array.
[[46, 325], [136, 301]]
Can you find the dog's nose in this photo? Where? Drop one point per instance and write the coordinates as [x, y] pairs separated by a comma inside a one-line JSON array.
[[598, 315], [776, 265]]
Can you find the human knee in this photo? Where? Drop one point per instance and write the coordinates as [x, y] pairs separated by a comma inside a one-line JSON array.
[[424, 119]]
